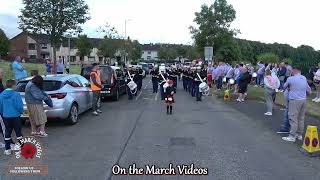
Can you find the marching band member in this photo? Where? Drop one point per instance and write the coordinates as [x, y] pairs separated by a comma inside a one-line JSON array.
[[139, 74], [169, 91], [155, 79], [184, 78], [128, 79], [162, 81]]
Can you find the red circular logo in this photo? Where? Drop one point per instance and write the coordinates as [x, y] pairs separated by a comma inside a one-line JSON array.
[[28, 151], [307, 141], [314, 142]]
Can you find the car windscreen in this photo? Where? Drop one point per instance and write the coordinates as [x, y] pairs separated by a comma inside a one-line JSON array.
[[105, 73], [47, 85]]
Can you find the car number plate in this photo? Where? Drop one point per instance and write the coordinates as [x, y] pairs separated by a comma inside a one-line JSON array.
[[105, 92]]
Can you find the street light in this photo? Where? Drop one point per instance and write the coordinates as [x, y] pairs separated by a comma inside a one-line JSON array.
[[125, 37]]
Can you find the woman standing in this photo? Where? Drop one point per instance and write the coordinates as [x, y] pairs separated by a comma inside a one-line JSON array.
[[34, 96], [271, 83]]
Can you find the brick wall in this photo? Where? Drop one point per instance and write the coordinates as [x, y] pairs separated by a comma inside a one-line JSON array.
[[19, 46]]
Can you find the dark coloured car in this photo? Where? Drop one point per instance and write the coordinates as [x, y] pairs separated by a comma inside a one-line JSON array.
[[112, 80]]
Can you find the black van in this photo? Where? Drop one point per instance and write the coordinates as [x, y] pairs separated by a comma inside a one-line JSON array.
[[112, 79]]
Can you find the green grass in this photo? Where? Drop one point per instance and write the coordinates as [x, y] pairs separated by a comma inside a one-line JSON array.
[[8, 74], [257, 93]]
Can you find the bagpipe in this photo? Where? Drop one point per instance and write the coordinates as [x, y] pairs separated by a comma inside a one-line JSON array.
[[164, 80], [203, 86], [132, 85]]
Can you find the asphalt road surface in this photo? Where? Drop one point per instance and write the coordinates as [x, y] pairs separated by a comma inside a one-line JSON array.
[[228, 141]]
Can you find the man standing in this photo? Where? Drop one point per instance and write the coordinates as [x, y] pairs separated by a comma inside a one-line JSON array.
[[155, 81], [18, 69], [60, 67], [298, 88], [96, 87]]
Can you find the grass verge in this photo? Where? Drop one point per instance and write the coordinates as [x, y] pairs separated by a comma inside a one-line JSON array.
[[257, 93]]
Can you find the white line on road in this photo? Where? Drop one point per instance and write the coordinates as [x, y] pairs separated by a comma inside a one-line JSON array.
[[156, 97], [139, 95]]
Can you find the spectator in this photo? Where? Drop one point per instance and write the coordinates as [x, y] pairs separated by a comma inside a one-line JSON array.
[[289, 70], [34, 96], [1, 120], [298, 88], [316, 82], [11, 108], [18, 69], [220, 75], [68, 67], [260, 73], [48, 67], [282, 75], [96, 87], [60, 67], [244, 80], [285, 127], [271, 83]]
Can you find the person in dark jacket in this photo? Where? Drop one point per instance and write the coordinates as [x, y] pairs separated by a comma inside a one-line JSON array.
[[11, 108], [2, 130], [155, 79], [244, 80], [282, 75]]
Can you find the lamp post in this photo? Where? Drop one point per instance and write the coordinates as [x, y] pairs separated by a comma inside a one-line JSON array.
[[125, 38]]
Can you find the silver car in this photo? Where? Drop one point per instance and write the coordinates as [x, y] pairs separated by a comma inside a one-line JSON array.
[[71, 95]]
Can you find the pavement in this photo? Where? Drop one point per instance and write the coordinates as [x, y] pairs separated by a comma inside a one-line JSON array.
[[233, 141]]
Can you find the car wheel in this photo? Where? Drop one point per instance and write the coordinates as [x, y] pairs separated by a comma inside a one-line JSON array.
[[73, 115], [117, 96]]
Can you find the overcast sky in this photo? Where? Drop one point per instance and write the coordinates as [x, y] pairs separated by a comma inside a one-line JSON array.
[[294, 22]]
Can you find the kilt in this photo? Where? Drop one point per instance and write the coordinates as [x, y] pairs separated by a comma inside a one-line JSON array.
[[167, 99]]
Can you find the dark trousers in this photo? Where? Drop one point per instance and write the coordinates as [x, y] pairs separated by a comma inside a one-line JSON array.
[[130, 95], [155, 86], [193, 88], [219, 82], [12, 124], [162, 92], [95, 99], [197, 90], [139, 84], [184, 83]]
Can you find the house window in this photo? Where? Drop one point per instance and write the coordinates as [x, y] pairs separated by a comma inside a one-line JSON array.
[[32, 57], [44, 46], [148, 57], [92, 59], [149, 52], [72, 58], [32, 46]]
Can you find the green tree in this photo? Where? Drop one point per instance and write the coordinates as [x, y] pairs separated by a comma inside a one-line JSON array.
[[192, 53], [84, 47], [134, 50], [229, 53], [108, 48], [53, 17], [214, 25], [268, 58], [4, 44], [167, 54]]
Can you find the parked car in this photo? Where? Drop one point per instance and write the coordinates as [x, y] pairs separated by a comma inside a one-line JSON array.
[[71, 96], [112, 78], [144, 67]]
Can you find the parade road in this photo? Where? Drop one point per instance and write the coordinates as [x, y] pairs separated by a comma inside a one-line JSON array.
[[214, 136]]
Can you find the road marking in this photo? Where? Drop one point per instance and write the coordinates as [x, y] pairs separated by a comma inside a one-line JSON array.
[[156, 97], [139, 95]]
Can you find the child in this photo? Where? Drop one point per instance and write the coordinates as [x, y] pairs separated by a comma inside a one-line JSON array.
[[169, 91], [11, 108]]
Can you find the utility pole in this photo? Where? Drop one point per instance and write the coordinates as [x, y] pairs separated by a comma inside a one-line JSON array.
[[125, 39]]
